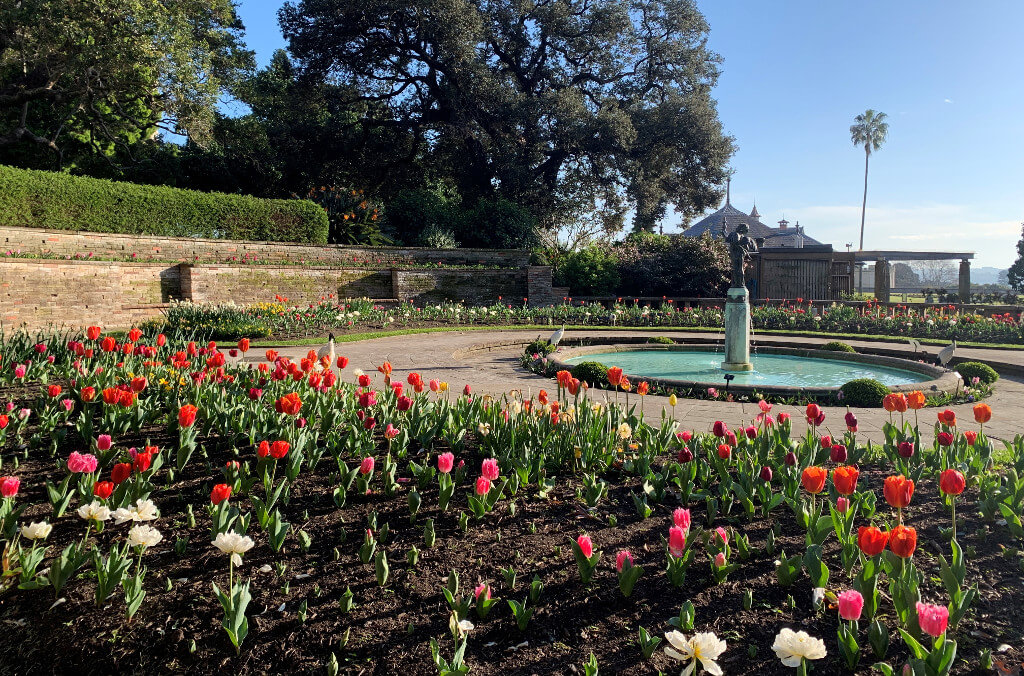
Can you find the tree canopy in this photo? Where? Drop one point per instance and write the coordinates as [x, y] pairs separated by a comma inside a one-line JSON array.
[[86, 78], [572, 108]]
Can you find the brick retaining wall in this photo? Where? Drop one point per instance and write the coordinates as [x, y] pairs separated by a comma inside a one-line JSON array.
[[41, 293], [186, 250]]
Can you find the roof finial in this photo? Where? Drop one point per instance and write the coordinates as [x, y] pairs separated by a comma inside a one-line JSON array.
[[728, 183]]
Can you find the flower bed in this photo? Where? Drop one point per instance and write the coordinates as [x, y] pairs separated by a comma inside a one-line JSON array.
[[285, 319], [167, 506]]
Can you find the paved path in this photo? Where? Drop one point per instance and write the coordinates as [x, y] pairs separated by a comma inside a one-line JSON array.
[[480, 359]]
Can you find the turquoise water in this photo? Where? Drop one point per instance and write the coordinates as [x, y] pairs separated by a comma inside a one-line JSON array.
[[769, 369]]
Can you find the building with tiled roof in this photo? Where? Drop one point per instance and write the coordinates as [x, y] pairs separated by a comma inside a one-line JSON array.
[[725, 220]]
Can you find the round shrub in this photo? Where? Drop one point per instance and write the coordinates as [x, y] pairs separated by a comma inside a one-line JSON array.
[[837, 346], [591, 372], [975, 369], [539, 346], [662, 340], [863, 392]]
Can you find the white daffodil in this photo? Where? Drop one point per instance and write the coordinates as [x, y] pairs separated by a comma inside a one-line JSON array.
[[357, 372], [705, 648], [144, 536], [483, 429], [94, 511], [234, 544], [142, 510], [794, 646], [625, 431], [36, 530]]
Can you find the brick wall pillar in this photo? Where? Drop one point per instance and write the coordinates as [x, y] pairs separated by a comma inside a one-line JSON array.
[[538, 286]]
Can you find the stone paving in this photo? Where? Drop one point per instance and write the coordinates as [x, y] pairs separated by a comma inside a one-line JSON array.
[[489, 362]]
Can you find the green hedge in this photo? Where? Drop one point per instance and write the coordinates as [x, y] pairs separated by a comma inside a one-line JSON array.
[[43, 199]]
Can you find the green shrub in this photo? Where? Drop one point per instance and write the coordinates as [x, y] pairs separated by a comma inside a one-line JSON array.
[[975, 369], [540, 346], [662, 340], [591, 372], [44, 199], [863, 392], [498, 224], [588, 272], [837, 346]]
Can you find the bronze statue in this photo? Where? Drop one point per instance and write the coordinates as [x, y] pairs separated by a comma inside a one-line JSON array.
[[741, 246]]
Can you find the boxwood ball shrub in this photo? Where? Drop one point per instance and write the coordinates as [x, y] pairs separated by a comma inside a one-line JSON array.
[[592, 372], [863, 392], [540, 346], [976, 369], [662, 340], [837, 346], [46, 199]]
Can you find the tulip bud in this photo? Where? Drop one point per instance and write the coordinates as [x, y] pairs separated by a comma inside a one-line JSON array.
[[838, 453], [766, 474], [842, 504], [790, 459]]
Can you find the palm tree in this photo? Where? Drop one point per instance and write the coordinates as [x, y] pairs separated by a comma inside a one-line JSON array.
[[870, 131]]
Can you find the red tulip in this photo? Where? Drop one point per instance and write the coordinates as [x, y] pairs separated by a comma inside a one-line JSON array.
[[898, 491], [952, 482], [93, 332], [103, 489], [845, 479], [187, 415], [120, 472], [903, 541], [871, 540], [220, 493], [813, 479]]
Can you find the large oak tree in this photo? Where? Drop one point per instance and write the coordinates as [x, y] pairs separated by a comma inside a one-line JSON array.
[[573, 108]]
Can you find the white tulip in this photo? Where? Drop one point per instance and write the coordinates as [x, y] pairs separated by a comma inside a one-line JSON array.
[[144, 536], [234, 544], [94, 511], [36, 530], [792, 647], [705, 648]]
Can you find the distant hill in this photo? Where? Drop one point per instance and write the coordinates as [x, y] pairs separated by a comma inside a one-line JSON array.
[[985, 275]]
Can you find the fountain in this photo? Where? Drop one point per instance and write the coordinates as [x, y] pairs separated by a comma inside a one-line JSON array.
[[737, 303]]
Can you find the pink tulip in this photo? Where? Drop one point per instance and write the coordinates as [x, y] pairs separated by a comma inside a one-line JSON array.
[[68, 404], [366, 466], [82, 462], [483, 486], [764, 406], [490, 469], [681, 518], [9, 486], [676, 541], [586, 545], [621, 558], [445, 462], [720, 559], [482, 589], [842, 504], [435, 385], [390, 432], [851, 603], [19, 371], [103, 442], [721, 535], [933, 619]]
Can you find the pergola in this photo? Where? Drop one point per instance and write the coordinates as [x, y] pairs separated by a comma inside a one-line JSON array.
[[883, 269]]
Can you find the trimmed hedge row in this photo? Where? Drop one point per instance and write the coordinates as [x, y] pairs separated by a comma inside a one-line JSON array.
[[43, 199]]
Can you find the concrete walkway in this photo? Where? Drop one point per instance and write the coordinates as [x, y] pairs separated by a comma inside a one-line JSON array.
[[489, 362]]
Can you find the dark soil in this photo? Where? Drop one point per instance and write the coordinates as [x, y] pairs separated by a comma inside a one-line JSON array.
[[178, 630]]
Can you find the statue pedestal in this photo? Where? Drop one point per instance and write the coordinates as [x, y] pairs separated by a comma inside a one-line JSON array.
[[737, 331]]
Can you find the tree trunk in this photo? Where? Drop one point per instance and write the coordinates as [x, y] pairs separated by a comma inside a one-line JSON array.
[[864, 204]]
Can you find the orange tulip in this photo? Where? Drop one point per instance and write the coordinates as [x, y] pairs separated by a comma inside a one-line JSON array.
[[614, 376], [903, 541], [844, 478], [871, 540], [982, 413], [643, 388], [888, 404], [915, 400], [900, 401], [813, 479], [898, 491]]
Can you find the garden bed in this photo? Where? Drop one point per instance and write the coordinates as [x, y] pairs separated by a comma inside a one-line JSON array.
[[543, 500]]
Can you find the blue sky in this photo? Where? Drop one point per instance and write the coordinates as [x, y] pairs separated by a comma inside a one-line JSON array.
[[949, 74]]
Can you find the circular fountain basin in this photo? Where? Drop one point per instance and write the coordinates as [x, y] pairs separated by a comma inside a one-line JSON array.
[[775, 368]]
